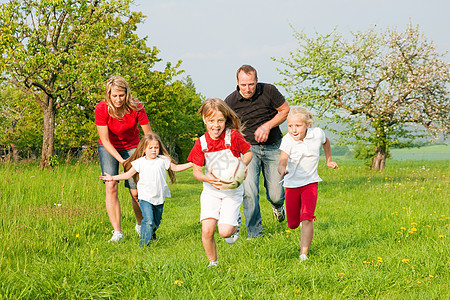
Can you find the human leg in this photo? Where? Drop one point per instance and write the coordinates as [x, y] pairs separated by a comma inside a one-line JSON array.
[[250, 202], [274, 188], [131, 185], [209, 243], [110, 165], [293, 206], [308, 207], [157, 215], [148, 223]]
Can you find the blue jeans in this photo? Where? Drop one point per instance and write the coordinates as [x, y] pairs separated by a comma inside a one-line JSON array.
[[265, 158], [110, 165], [152, 218]]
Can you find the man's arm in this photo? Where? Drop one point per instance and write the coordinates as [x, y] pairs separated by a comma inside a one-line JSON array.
[[262, 132]]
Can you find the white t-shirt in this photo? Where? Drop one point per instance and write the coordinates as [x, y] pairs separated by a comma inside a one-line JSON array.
[[152, 185], [303, 158]]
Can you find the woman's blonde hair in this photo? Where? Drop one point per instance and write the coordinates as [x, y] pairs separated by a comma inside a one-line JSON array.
[[212, 105], [140, 152], [303, 113], [119, 83]]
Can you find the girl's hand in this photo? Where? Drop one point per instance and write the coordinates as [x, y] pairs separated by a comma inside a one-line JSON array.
[[332, 165], [106, 177], [213, 180]]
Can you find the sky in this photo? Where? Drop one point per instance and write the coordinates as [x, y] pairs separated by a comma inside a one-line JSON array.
[[213, 38]]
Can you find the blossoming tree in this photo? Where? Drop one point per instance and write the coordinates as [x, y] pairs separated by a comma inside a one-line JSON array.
[[381, 88]]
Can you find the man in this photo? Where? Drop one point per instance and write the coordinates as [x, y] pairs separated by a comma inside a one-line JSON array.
[[261, 108]]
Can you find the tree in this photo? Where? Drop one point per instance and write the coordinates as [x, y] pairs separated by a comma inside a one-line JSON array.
[[18, 115], [61, 53], [376, 86]]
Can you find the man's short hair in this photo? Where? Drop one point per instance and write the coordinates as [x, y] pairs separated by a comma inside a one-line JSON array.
[[247, 69]]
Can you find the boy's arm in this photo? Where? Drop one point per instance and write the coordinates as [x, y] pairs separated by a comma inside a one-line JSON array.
[[123, 176], [182, 167], [283, 163], [327, 151]]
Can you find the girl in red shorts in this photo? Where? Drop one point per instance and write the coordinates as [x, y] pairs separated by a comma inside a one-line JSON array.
[[298, 164]]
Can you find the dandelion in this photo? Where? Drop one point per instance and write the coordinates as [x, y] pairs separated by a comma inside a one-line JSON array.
[[341, 275], [441, 235], [410, 231], [288, 231], [402, 228], [405, 260], [422, 187], [428, 226], [413, 229], [431, 276], [178, 282], [403, 207], [92, 251], [77, 235], [419, 282], [413, 223], [380, 260]]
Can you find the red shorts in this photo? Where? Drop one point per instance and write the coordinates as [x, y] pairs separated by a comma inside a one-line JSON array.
[[300, 204]]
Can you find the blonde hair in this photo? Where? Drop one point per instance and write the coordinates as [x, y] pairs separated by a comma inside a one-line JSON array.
[[140, 152], [119, 83], [212, 105], [303, 113]]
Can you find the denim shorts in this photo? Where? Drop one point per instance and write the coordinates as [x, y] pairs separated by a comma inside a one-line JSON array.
[[110, 165]]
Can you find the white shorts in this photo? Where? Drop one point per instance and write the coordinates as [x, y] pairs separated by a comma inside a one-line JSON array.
[[223, 206]]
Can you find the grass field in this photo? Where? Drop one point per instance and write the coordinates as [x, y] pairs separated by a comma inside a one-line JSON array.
[[434, 152], [377, 236]]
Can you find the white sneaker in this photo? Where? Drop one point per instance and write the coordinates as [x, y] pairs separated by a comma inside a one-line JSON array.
[[213, 263], [303, 257], [232, 239], [138, 229], [117, 236]]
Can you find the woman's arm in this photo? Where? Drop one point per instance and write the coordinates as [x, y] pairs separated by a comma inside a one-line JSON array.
[[146, 128], [123, 176], [103, 133]]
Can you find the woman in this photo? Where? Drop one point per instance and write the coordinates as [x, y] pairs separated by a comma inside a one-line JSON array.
[[117, 118]]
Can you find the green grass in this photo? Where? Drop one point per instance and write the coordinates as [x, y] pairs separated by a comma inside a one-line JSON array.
[[378, 235], [434, 152]]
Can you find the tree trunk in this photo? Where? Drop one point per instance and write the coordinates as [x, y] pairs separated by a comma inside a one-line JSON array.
[[49, 134], [15, 152], [379, 159]]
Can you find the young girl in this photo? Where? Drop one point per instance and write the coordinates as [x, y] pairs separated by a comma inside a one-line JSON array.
[[218, 206], [298, 164], [151, 184]]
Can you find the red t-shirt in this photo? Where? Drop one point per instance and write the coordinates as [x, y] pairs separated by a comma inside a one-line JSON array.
[[123, 133], [238, 145]]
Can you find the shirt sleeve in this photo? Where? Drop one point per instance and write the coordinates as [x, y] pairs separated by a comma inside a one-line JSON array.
[[277, 98], [101, 114], [136, 165], [242, 145], [142, 117], [197, 156], [285, 146], [166, 161], [323, 137]]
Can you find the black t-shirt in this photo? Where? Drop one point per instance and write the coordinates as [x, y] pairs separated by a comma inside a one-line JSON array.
[[256, 111]]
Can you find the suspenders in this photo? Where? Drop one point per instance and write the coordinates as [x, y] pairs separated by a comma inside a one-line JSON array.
[[227, 141]]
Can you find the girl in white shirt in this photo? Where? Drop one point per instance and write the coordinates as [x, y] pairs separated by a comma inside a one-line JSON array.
[[151, 182], [299, 159]]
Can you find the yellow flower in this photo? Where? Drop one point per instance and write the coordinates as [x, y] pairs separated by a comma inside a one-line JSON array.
[[428, 226], [380, 260], [402, 228], [413, 229], [287, 231], [431, 276], [178, 282], [410, 231], [413, 223], [419, 282], [92, 251], [405, 260], [441, 235], [77, 235]]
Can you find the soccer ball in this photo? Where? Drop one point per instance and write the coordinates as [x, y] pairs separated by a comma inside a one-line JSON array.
[[228, 169]]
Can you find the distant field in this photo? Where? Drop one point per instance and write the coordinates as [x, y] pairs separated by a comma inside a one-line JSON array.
[[436, 152]]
